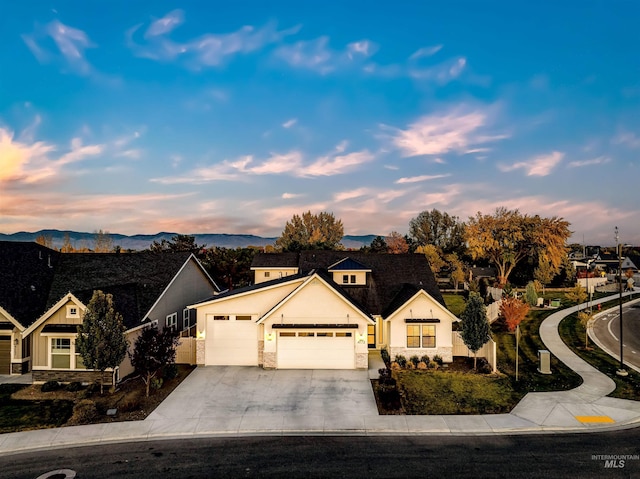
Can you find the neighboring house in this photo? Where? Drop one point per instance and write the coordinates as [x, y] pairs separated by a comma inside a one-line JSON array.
[[146, 287], [325, 309]]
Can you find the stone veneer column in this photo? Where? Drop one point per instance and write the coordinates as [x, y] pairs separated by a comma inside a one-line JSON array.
[[200, 352], [269, 360], [362, 360]]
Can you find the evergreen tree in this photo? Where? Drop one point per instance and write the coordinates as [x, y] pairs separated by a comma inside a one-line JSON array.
[[101, 340], [475, 326]]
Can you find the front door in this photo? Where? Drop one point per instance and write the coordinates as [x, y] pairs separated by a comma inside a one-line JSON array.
[[371, 336]]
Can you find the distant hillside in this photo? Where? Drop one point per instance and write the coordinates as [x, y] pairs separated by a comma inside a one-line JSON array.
[[141, 242]]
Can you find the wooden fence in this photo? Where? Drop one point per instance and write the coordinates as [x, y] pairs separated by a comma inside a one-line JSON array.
[[186, 351], [488, 351]]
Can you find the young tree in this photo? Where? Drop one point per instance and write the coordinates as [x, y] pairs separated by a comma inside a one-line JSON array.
[[585, 319], [577, 294], [530, 294], [543, 274], [508, 237], [152, 351], [513, 311], [310, 231], [438, 229], [45, 240], [67, 247], [458, 273], [396, 243], [101, 340], [475, 325]]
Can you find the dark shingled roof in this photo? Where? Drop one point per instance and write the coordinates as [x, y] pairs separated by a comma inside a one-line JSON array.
[[389, 277], [348, 264], [253, 287], [29, 286], [25, 279], [275, 260], [136, 280]]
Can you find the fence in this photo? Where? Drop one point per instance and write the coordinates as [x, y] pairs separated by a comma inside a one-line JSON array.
[[488, 351], [186, 351], [493, 311]]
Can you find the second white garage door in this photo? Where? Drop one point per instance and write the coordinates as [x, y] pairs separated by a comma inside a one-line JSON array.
[[316, 350]]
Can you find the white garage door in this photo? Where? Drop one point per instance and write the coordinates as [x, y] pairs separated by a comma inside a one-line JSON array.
[[316, 350], [231, 343]]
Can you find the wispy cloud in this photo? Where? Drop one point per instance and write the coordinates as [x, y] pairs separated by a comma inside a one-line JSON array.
[[425, 52], [318, 56], [290, 123], [541, 165], [79, 152], [418, 179], [459, 130], [208, 50], [291, 164], [70, 45], [628, 139], [291, 196], [601, 160]]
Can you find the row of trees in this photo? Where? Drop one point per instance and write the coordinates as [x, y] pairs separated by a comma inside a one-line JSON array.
[[102, 243]]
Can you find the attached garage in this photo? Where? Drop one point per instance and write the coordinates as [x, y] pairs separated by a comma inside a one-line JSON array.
[[316, 350], [231, 342], [5, 354]]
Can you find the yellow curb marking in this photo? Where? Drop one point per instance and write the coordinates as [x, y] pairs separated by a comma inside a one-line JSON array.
[[594, 419]]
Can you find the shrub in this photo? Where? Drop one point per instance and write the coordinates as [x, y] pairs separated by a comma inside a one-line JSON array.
[[401, 360], [170, 371], [84, 412], [483, 366], [395, 366], [130, 403], [409, 365], [156, 383], [424, 358], [422, 365], [74, 386], [531, 295], [385, 356], [438, 360], [415, 360], [50, 386]]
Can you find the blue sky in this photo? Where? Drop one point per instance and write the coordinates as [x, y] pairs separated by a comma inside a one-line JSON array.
[[230, 117]]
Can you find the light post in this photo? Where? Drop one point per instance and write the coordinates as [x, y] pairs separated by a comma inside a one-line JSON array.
[[622, 371]]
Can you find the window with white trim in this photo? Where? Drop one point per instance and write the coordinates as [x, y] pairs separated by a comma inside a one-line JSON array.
[[172, 321], [64, 354], [421, 336], [186, 318], [72, 311]]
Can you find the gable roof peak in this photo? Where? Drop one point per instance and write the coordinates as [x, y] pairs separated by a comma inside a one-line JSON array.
[[348, 264]]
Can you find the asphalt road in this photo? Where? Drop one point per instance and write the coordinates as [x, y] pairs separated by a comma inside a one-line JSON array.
[[607, 330], [531, 456]]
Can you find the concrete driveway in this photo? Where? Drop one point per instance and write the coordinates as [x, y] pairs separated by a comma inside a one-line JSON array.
[[237, 391]]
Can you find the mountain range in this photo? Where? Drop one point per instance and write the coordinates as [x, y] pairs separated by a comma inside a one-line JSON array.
[[141, 242]]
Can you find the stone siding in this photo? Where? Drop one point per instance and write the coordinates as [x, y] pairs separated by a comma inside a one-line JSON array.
[[20, 368], [261, 352], [200, 352], [270, 360], [362, 360], [72, 376]]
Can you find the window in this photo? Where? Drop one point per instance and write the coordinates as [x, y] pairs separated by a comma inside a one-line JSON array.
[[305, 335], [186, 318], [353, 278], [72, 311], [421, 336], [243, 318], [221, 318], [61, 353], [267, 274], [324, 335], [287, 334], [172, 321], [343, 335], [345, 278]]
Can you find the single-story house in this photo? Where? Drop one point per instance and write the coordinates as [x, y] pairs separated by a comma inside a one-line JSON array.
[[325, 310], [43, 294]]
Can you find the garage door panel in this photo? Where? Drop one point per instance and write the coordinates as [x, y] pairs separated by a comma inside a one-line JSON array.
[[231, 343], [316, 353]]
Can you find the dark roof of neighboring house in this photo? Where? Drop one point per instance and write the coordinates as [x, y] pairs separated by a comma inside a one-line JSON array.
[[26, 274], [253, 287], [635, 259], [389, 274], [136, 280], [275, 260]]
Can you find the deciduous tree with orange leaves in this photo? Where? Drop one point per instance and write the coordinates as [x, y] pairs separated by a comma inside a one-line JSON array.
[[513, 310]]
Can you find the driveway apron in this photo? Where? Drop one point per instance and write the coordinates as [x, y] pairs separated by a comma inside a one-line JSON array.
[[228, 391]]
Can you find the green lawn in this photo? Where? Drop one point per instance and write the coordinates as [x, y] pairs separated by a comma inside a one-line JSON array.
[[441, 392], [455, 303], [19, 415]]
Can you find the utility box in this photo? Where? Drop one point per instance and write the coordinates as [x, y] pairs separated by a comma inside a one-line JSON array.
[[540, 302], [555, 303], [544, 359]]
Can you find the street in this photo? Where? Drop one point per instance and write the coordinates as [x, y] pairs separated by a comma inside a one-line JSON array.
[[607, 330], [614, 454]]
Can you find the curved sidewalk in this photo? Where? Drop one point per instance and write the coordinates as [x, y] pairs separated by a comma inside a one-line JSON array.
[[583, 409]]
